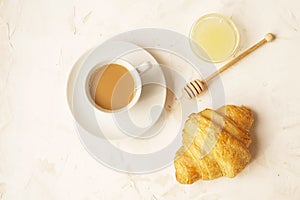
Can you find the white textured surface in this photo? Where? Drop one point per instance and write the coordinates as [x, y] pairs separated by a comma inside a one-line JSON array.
[[40, 154]]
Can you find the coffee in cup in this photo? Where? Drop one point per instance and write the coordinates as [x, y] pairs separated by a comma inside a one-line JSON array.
[[114, 86]]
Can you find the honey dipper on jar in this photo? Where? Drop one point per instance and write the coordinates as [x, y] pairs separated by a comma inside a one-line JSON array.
[[196, 87]]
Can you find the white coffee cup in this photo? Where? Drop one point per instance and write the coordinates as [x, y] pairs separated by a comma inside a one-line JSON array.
[[135, 73]]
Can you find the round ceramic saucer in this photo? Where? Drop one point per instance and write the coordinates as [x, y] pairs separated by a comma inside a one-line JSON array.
[[138, 120]]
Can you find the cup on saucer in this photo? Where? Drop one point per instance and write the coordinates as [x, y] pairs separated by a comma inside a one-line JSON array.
[[141, 107]]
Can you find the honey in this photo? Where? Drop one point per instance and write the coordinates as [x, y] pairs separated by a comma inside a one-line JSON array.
[[214, 38]]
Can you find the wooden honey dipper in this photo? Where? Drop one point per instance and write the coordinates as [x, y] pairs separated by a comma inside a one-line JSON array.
[[196, 87]]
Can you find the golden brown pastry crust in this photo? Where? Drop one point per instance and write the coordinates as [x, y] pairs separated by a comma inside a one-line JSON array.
[[215, 144]]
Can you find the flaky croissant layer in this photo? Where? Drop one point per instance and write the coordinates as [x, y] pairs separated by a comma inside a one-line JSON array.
[[215, 144]]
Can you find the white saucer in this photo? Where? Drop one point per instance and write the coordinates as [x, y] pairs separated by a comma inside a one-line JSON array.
[[139, 119]]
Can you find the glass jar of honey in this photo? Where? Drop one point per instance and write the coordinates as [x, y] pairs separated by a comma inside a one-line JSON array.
[[214, 38]]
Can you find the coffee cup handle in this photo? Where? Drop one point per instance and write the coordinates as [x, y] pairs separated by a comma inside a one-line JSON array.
[[144, 67]]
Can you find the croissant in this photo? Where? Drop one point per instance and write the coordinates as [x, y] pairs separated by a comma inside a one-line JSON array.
[[214, 144]]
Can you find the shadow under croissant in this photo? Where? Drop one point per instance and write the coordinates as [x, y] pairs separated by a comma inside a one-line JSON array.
[[255, 145]]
